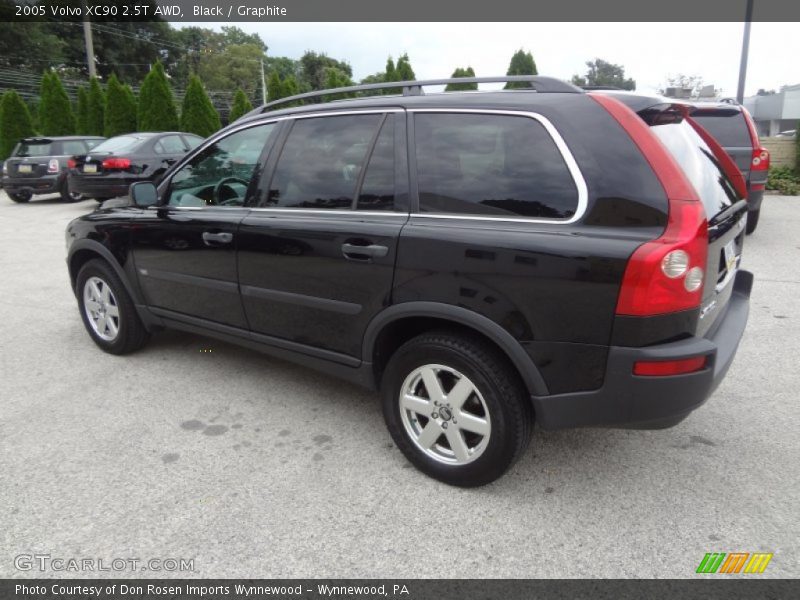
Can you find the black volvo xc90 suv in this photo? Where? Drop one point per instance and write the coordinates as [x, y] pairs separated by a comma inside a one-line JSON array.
[[483, 259]]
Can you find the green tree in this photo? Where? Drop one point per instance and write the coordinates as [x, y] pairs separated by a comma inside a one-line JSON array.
[[15, 122], [459, 72], [120, 114], [96, 108], [312, 70], [522, 63], [601, 72], [404, 71], [82, 111], [55, 109], [156, 110], [198, 114], [335, 78], [240, 107], [274, 87]]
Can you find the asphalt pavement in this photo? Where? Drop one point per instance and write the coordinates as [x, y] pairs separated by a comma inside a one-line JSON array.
[[247, 466]]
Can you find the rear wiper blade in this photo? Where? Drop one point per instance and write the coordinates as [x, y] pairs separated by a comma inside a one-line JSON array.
[[729, 212]]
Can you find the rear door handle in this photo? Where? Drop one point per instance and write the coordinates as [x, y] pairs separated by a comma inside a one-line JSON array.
[[212, 239], [356, 252]]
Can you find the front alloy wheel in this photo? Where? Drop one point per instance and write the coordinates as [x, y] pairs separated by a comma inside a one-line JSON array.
[[101, 308]]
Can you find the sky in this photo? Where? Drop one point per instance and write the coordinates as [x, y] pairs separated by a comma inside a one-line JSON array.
[[650, 52]]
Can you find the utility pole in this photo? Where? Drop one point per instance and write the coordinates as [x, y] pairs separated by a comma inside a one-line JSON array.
[[263, 84], [87, 38], [745, 50]]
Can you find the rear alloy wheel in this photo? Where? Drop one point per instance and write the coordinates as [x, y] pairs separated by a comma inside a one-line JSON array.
[[107, 310], [67, 196], [752, 220], [20, 197], [456, 408]]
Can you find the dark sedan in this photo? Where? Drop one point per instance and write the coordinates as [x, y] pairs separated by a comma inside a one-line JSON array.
[[112, 166]]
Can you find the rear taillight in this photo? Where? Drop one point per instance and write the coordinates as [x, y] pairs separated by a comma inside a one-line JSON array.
[[71, 164], [117, 163], [666, 274], [760, 160], [53, 166], [660, 368]]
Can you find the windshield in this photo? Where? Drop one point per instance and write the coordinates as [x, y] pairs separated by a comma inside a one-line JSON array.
[[123, 143], [699, 164], [33, 149]]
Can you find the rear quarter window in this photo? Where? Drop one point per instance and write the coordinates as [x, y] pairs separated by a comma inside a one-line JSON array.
[[729, 130], [492, 165]]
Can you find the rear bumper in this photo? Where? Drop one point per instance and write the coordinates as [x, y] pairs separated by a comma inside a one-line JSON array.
[[44, 184], [101, 186], [631, 401]]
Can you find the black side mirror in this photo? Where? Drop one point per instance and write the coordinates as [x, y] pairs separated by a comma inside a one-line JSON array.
[[143, 194]]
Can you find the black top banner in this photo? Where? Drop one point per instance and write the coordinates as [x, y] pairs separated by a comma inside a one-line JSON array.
[[407, 10]]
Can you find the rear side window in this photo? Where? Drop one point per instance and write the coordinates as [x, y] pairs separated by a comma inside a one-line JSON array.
[[699, 164], [192, 141], [170, 144], [493, 165], [122, 143], [33, 149], [729, 130], [73, 147], [321, 161]]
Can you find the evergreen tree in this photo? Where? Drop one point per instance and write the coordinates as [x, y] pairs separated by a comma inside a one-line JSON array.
[[120, 114], [198, 114], [459, 72], [55, 109], [156, 111], [82, 111], [95, 108], [404, 71], [522, 63], [274, 87], [240, 107], [334, 78], [15, 122]]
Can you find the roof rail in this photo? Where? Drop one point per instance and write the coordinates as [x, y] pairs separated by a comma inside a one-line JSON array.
[[590, 88], [414, 88]]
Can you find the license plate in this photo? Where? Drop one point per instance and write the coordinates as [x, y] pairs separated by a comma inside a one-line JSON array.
[[90, 168], [25, 169], [730, 255]]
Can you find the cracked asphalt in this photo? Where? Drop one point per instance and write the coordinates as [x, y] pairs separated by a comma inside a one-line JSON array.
[[252, 467]]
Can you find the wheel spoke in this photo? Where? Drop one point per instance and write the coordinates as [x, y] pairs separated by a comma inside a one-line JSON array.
[[113, 328], [460, 392], [432, 385], [417, 405], [101, 324], [95, 291], [112, 310], [457, 443], [430, 434], [92, 304], [105, 293], [473, 424]]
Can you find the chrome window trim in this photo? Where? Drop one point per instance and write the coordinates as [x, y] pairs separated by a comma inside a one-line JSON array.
[[566, 154], [332, 211]]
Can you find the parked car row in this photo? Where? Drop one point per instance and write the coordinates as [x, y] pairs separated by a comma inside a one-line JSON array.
[[78, 167]]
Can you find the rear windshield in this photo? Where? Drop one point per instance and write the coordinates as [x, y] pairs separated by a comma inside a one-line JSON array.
[[698, 163], [122, 143], [730, 130], [33, 149]]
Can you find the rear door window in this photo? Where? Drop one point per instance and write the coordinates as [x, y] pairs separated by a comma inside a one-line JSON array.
[[492, 165], [729, 130]]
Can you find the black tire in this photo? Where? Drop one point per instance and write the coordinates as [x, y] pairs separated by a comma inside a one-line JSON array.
[[752, 220], [67, 196], [504, 396], [131, 334], [20, 197]]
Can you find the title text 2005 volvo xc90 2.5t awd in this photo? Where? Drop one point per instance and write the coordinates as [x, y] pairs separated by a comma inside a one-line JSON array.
[[482, 259]]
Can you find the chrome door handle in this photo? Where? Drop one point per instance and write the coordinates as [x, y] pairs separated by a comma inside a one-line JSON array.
[[364, 252], [217, 238]]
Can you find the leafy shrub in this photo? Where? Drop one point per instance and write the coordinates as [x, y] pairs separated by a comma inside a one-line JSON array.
[[784, 180]]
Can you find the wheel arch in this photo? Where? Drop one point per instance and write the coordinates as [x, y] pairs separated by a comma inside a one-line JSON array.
[[82, 251], [400, 322]]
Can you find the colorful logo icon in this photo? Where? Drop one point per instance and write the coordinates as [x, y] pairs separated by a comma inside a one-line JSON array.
[[734, 562]]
